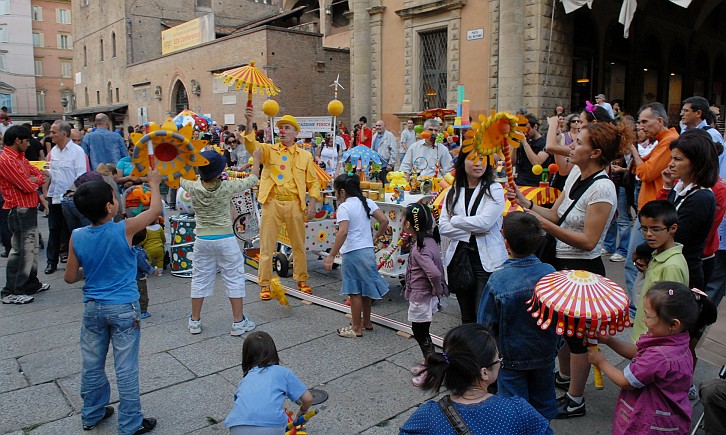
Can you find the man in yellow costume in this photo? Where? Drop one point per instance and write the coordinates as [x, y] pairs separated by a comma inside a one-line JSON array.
[[288, 173]]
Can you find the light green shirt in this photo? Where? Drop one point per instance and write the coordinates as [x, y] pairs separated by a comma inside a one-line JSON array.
[[669, 265], [212, 205]]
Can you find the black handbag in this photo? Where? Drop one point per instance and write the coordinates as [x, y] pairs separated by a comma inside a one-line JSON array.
[[459, 271], [546, 251]]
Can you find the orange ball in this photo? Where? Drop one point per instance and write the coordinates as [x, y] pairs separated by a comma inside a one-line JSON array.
[[426, 135]]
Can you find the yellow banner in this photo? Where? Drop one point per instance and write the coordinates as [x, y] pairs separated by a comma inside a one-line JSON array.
[[188, 34]]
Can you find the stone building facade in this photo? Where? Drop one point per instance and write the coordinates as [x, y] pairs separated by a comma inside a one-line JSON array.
[[295, 60], [532, 54]]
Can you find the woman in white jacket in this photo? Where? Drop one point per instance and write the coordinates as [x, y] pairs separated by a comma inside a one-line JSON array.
[[478, 231]]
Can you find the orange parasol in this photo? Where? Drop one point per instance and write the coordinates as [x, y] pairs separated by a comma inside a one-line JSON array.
[[251, 78], [586, 304]]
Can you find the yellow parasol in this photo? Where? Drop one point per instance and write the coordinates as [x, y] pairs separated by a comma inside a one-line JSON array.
[[251, 78]]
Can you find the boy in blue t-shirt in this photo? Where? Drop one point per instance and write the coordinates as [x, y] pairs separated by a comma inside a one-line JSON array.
[[528, 353], [102, 253]]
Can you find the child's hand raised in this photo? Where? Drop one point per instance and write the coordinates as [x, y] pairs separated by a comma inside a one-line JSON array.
[[154, 178]]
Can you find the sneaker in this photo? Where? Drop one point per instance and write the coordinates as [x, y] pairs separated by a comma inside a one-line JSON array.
[[265, 294], [17, 299], [418, 369], [605, 252], [239, 328], [560, 382], [109, 413], [692, 393], [195, 326], [145, 315], [44, 287], [147, 425], [617, 258], [304, 287], [567, 408]]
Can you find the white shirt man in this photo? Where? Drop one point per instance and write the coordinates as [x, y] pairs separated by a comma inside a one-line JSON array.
[[600, 101], [67, 162], [408, 138], [426, 154]]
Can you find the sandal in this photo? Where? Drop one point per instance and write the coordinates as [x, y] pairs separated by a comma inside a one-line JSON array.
[[365, 327], [348, 332]]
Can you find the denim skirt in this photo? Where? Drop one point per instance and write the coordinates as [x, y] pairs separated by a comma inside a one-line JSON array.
[[360, 275]]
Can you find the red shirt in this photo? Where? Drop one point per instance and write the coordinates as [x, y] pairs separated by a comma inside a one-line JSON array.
[[365, 137], [17, 188]]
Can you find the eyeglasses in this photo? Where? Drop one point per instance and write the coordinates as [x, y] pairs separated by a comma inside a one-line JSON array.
[[499, 361], [653, 230], [575, 121]]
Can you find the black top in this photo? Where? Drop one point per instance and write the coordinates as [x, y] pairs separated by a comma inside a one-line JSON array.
[[695, 218], [33, 151], [525, 177]]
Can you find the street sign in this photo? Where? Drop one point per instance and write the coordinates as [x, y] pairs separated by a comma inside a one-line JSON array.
[[475, 34]]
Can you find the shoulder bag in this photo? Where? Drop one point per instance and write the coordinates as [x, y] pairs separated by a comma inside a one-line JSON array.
[[546, 251], [457, 422], [459, 272]]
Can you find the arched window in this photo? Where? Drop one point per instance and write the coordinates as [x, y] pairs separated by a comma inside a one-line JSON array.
[[101, 49], [113, 44], [180, 100], [109, 93]]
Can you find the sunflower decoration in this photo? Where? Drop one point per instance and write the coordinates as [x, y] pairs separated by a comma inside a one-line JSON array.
[[322, 236], [494, 135], [174, 150]]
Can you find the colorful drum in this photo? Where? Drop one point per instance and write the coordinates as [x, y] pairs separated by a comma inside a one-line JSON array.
[[182, 245]]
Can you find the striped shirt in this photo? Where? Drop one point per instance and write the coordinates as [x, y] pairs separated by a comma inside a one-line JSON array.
[[15, 172]]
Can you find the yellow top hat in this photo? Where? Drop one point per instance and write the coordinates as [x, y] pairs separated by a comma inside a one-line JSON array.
[[288, 119]]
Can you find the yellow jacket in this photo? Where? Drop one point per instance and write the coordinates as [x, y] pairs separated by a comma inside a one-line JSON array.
[[304, 174]]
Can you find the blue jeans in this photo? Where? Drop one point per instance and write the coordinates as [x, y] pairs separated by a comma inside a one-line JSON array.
[[621, 224], [636, 239], [22, 267], [73, 217], [119, 325], [537, 386]]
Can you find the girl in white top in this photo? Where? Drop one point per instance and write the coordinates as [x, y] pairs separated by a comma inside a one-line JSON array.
[[361, 280], [478, 230]]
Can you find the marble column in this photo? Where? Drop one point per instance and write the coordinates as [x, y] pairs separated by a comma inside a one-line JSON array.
[[360, 61], [510, 53]]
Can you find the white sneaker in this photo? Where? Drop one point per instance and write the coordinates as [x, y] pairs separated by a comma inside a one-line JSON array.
[[604, 252], [195, 326], [239, 328], [17, 299], [617, 258]]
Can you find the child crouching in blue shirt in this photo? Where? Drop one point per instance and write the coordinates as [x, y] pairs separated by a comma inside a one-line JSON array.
[[258, 402], [102, 253], [528, 353]]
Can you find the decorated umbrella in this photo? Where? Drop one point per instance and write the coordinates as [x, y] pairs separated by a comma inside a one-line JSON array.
[[186, 116], [251, 78], [363, 154], [177, 153], [495, 134], [586, 304]]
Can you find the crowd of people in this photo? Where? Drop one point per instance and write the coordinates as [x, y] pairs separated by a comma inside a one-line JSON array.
[[639, 191]]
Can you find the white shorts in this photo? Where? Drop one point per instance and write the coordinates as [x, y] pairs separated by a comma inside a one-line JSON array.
[[421, 312], [223, 254]]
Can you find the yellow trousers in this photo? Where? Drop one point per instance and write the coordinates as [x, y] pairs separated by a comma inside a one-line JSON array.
[[275, 213]]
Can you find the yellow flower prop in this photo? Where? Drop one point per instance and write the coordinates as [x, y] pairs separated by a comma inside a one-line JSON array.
[[495, 134], [174, 150]]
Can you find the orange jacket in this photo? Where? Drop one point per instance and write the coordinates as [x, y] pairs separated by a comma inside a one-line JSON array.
[[650, 170]]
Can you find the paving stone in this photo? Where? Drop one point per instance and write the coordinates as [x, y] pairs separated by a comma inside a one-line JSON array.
[[32, 405], [373, 398], [44, 366], [390, 426], [11, 323], [11, 378], [24, 343], [156, 372], [72, 425], [189, 406]]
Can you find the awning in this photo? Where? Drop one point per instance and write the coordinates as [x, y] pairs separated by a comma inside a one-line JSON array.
[[100, 109], [627, 11]]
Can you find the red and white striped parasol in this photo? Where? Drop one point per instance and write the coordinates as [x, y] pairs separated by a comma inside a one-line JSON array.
[[585, 304]]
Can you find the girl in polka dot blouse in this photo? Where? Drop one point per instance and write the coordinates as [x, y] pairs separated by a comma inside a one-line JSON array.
[[467, 366]]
